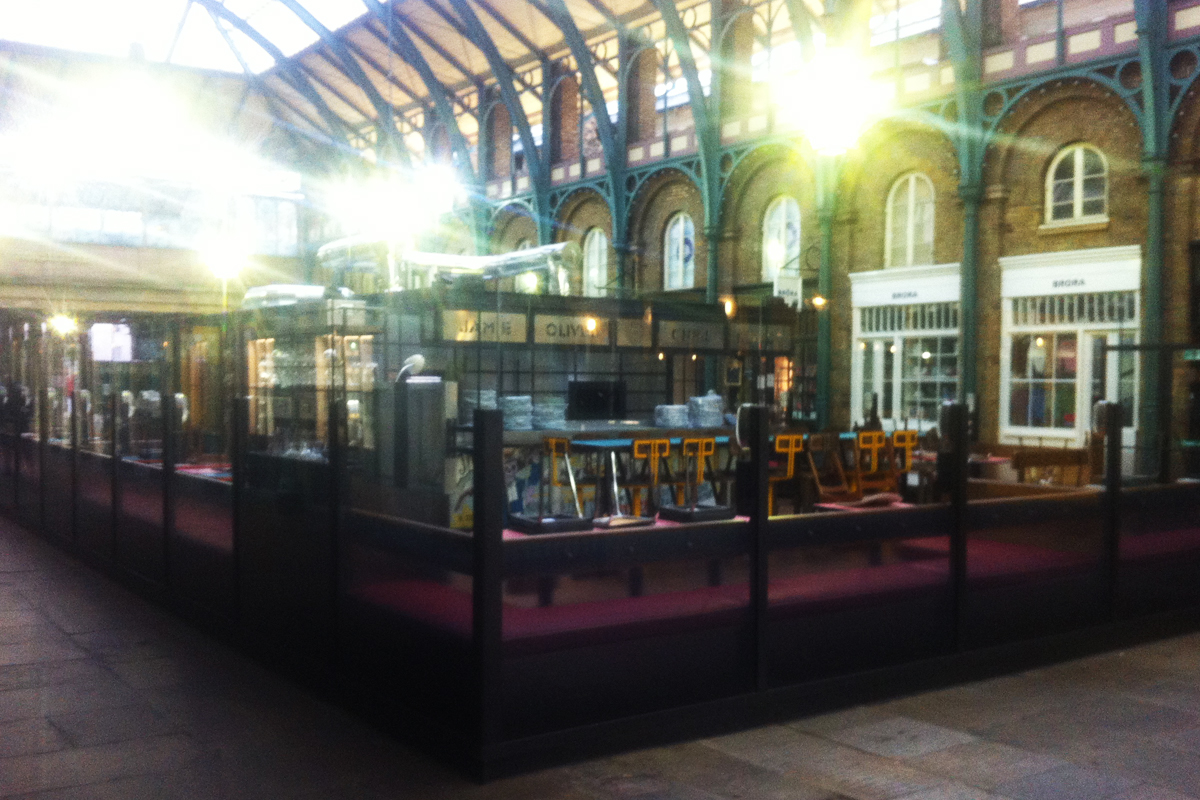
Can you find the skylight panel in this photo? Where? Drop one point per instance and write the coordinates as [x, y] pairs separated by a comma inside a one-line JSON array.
[[276, 22], [110, 28], [201, 44]]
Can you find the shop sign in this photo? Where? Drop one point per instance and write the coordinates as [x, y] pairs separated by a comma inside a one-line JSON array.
[[789, 287], [555, 329], [633, 333], [691, 335], [747, 336], [465, 326]]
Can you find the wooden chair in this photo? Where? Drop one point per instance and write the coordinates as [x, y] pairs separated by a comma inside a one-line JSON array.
[[824, 453], [788, 445]]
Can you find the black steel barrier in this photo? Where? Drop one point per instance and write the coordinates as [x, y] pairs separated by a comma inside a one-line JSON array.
[[501, 651]]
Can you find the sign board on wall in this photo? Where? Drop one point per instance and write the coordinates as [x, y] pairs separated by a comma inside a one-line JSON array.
[[691, 335], [903, 286], [464, 326], [789, 287], [557, 329], [747, 336], [1100, 269], [633, 333]]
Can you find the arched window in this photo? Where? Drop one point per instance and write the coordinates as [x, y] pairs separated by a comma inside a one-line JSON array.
[[679, 245], [527, 282], [1077, 186], [910, 222], [595, 263], [781, 238]]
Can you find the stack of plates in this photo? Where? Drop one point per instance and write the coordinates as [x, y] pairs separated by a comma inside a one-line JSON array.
[[550, 414], [518, 412], [707, 411], [470, 400], [670, 416]]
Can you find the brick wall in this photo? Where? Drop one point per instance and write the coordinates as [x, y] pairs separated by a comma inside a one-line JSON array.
[[581, 213], [664, 195], [762, 177]]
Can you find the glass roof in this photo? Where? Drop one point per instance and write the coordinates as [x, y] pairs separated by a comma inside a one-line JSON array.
[[179, 31]]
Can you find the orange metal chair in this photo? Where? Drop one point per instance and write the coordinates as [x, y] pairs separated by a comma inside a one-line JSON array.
[[697, 451], [654, 453], [873, 465], [903, 445]]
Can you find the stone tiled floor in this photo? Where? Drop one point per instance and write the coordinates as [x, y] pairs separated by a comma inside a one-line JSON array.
[[105, 696]]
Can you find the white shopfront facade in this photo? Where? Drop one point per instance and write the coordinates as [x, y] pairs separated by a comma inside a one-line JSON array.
[[905, 359], [1058, 310]]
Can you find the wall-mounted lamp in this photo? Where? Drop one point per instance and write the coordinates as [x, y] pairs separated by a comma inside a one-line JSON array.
[[590, 324], [818, 302], [729, 307]]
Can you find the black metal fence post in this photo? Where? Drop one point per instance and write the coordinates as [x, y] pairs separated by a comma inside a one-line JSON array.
[[955, 426], [488, 572], [172, 428], [73, 434], [759, 549], [1113, 420], [235, 418]]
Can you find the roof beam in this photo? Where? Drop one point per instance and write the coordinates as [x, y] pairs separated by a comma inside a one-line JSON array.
[[505, 78], [386, 117], [432, 44], [286, 68], [441, 97], [396, 34], [556, 11], [320, 80], [477, 35], [803, 23], [513, 30], [384, 72]]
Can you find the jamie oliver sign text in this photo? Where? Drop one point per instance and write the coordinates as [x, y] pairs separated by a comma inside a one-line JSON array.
[[465, 326], [553, 329], [691, 335]]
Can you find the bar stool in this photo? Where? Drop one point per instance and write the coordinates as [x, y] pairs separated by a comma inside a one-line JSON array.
[[654, 453], [788, 444], [903, 444], [699, 452], [553, 448], [879, 474]]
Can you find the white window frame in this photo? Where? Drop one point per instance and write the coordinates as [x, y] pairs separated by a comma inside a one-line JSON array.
[[595, 263], [1076, 153], [908, 184], [681, 275], [881, 289], [783, 211], [1067, 274]]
